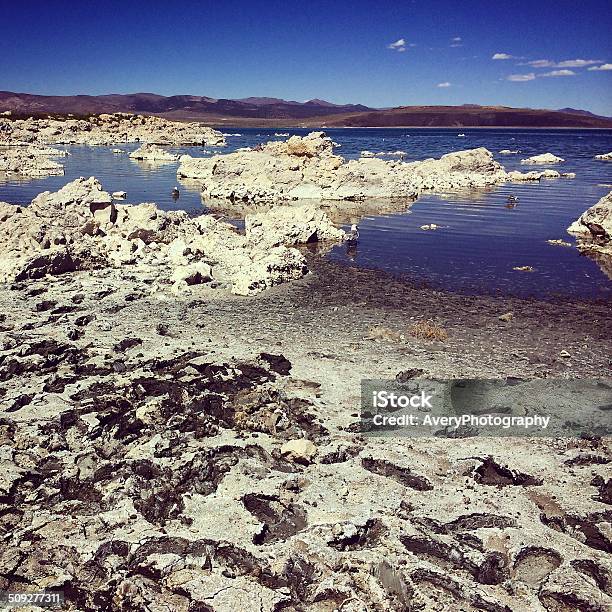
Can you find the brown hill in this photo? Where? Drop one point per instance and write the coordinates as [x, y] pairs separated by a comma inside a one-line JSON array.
[[194, 107], [467, 116]]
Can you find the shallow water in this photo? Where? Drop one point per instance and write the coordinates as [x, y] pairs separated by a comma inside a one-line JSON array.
[[480, 240]]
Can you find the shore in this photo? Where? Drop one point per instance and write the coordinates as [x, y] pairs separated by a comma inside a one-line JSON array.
[[103, 387]]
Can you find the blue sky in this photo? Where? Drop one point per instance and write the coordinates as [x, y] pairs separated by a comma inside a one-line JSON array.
[[560, 52]]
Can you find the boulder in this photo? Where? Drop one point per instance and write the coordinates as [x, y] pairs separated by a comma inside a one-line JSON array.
[[593, 231], [269, 268], [300, 450], [544, 158], [192, 274], [536, 175]]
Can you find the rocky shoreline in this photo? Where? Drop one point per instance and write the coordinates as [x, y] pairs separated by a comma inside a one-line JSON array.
[[23, 150], [80, 227]]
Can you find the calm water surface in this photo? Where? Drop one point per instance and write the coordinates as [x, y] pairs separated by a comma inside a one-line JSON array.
[[480, 240]]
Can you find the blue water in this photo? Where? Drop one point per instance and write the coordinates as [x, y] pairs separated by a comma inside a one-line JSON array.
[[480, 240]]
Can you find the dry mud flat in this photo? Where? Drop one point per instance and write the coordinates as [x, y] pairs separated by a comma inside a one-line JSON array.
[[144, 458]]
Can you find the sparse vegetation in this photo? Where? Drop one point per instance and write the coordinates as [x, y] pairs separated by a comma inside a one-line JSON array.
[[427, 330]]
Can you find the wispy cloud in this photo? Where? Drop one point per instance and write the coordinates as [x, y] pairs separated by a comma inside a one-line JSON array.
[[601, 68], [521, 78], [576, 63], [502, 56], [399, 45], [457, 41], [570, 63], [559, 73], [443, 85], [541, 63]]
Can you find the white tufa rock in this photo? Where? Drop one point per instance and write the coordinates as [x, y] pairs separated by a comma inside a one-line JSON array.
[[544, 158], [594, 226], [79, 227], [291, 225], [30, 161], [108, 129], [151, 152], [307, 168]]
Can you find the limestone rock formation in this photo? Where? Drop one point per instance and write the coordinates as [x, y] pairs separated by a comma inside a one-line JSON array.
[[107, 129], [307, 168], [544, 158], [291, 225], [536, 175], [595, 224], [151, 152], [80, 227], [30, 161]]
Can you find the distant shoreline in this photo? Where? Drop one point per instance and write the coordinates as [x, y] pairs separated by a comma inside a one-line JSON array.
[[402, 127]]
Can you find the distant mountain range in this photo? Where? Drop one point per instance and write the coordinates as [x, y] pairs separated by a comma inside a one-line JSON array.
[[189, 106], [263, 111]]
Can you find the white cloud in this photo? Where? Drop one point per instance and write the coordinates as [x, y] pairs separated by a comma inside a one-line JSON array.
[[502, 56], [571, 63], [559, 73], [457, 41], [576, 63], [398, 45], [443, 85], [541, 63], [602, 67], [521, 78]]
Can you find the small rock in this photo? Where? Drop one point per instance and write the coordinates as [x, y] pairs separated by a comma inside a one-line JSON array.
[[406, 375], [300, 450], [507, 317], [84, 320], [162, 329]]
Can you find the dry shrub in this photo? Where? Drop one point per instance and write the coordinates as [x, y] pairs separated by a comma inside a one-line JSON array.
[[427, 330]]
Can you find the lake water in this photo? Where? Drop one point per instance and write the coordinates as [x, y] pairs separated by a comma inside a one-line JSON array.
[[479, 241]]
